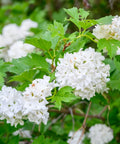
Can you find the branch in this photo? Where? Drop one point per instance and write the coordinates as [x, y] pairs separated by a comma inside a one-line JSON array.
[[66, 111]]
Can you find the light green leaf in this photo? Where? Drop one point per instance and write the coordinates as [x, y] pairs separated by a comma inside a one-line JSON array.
[[32, 61], [83, 13], [76, 45], [73, 12], [56, 29], [110, 45], [24, 77], [65, 94], [105, 20], [39, 43]]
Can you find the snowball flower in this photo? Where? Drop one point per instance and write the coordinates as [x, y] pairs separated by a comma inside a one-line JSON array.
[[19, 49], [84, 71], [100, 134], [27, 24], [11, 33], [110, 31], [11, 105], [23, 133], [75, 136], [34, 101]]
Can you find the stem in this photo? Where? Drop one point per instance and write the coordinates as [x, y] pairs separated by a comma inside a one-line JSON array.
[[84, 123], [66, 111]]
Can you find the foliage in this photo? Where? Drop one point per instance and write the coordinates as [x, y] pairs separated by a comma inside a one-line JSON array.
[[53, 41]]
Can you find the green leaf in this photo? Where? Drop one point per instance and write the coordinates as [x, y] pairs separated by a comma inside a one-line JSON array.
[[39, 43], [25, 76], [110, 45], [105, 20], [114, 84], [87, 23], [117, 64], [76, 45], [14, 140], [111, 63], [54, 40], [32, 61], [65, 94], [83, 13], [42, 140], [73, 12], [56, 29], [2, 75]]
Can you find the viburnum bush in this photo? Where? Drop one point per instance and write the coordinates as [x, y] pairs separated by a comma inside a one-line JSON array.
[[57, 86]]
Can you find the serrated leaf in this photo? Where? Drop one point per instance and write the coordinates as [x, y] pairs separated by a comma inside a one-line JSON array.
[[32, 61], [114, 84], [25, 76], [65, 94], [111, 63], [110, 45], [42, 140], [117, 64], [73, 12], [56, 29], [39, 43], [54, 40], [2, 75], [76, 45], [87, 23], [83, 13], [105, 20]]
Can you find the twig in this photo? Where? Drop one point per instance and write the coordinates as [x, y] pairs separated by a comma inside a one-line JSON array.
[[84, 123], [66, 111], [103, 110], [73, 121]]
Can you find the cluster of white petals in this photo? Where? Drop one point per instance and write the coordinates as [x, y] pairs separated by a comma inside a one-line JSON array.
[[100, 134], [19, 49], [23, 133], [75, 136], [84, 71], [110, 31], [12, 33], [31, 104], [34, 100], [11, 105]]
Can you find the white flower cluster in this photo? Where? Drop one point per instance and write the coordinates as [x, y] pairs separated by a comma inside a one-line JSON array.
[[23, 133], [100, 134], [34, 100], [84, 71], [30, 104], [12, 37], [75, 136], [110, 31], [11, 105]]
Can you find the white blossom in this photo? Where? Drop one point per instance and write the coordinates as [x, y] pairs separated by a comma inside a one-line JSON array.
[[110, 31], [11, 105], [100, 134], [34, 101], [27, 24], [23, 133], [84, 71], [19, 49], [75, 136], [11, 36]]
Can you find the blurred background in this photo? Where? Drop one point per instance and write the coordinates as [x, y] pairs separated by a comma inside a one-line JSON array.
[[53, 8]]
